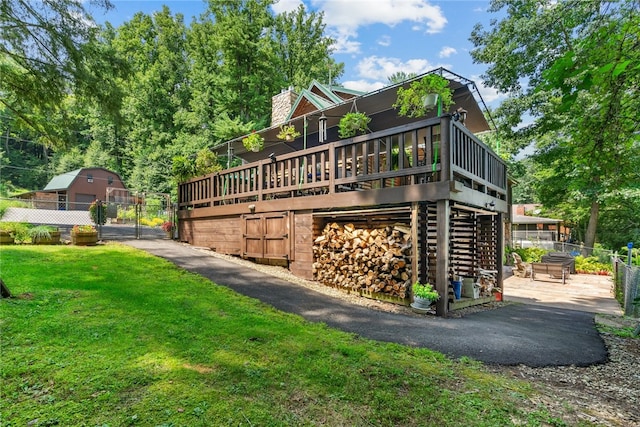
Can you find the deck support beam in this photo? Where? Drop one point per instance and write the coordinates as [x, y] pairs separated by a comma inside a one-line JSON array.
[[442, 257]]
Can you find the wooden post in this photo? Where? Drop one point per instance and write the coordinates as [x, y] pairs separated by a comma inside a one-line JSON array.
[[445, 148], [500, 251], [442, 257], [415, 244]]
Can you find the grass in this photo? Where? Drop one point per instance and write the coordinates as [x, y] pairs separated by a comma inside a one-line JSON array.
[[111, 336]]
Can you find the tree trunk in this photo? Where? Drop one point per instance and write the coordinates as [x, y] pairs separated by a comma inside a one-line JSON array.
[[590, 236]]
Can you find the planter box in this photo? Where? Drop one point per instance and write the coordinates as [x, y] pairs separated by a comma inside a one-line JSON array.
[[84, 238], [6, 238], [53, 240]]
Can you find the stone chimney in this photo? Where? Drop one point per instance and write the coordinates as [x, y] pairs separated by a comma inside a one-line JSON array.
[[281, 105]]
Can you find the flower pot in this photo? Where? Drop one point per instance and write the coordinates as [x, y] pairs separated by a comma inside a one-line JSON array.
[[53, 239], [421, 303], [430, 100], [84, 238], [6, 238]]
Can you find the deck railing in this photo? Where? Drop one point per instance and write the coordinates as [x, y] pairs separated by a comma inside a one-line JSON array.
[[416, 153]]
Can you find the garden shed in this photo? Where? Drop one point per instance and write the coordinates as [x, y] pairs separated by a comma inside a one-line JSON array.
[[77, 189], [412, 199]]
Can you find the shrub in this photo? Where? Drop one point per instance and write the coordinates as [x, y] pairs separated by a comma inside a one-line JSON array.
[[98, 212], [19, 230], [531, 254], [591, 265]]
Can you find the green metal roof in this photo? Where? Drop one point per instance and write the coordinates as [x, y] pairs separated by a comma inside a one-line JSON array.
[[62, 181]]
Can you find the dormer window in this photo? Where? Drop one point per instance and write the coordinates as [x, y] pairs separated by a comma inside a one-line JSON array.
[[89, 178]]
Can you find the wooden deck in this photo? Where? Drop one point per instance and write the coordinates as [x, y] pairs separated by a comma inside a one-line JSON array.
[[406, 156], [432, 176]]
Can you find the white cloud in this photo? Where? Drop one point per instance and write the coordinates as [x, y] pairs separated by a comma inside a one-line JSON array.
[[355, 13], [342, 44], [344, 17], [384, 41], [285, 6], [447, 51], [364, 85], [380, 68], [488, 94]]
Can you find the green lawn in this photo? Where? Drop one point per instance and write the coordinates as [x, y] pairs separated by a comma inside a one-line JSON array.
[[111, 336]]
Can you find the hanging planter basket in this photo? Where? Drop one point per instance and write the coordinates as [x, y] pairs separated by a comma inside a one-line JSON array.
[[430, 101]]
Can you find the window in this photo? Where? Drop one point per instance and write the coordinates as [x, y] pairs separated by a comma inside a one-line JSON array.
[[110, 180], [89, 178]]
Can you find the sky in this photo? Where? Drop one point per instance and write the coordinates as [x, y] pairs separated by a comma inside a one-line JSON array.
[[374, 38]]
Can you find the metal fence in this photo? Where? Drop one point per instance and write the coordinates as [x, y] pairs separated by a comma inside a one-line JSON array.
[[141, 218], [627, 286]]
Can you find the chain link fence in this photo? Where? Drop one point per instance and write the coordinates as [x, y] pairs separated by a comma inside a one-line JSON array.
[[140, 217], [627, 286]]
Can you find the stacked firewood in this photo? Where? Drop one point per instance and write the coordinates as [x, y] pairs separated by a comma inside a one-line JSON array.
[[376, 260]]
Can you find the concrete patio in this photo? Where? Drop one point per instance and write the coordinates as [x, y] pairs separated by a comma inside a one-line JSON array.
[[583, 292]]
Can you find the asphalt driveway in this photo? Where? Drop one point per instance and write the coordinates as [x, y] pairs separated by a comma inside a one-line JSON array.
[[515, 334]]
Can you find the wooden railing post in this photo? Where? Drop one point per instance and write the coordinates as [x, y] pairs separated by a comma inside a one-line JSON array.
[[332, 168], [446, 173]]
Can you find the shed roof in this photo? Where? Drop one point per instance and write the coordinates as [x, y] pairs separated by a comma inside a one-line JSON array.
[[62, 181]]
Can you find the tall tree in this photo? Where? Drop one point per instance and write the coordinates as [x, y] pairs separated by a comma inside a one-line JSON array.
[[302, 51], [46, 51], [157, 91], [574, 67]]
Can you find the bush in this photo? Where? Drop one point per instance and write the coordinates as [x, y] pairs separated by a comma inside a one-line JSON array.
[[591, 265], [531, 254], [19, 230], [98, 213]]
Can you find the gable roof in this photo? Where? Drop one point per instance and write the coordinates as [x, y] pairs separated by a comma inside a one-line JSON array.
[[320, 100], [319, 97]]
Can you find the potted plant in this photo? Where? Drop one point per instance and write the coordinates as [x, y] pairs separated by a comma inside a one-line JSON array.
[[253, 142], [44, 235], [352, 124], [167, 226], [424, 295], [423, 96], [288, 133], [84, 235]]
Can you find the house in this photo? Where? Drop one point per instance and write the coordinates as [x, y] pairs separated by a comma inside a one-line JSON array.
[[528, 229], [413, 199], [75, 190]]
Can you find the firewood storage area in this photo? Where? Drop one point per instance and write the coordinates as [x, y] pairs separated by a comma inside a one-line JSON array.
[[366, 253], [380, 254]]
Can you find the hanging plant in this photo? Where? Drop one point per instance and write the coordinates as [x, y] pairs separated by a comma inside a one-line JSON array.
[[288, 132], [352, 124], [423, 96], [253, 142]]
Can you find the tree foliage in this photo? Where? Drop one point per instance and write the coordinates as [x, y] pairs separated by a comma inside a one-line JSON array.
[[47, 50], [574, 67], [135, 97]]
